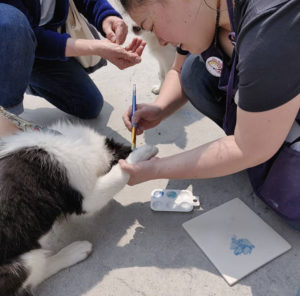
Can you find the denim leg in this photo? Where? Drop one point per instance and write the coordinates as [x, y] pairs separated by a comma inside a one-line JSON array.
[[67, 86], [295, 225], [202, 89], [17, 50]]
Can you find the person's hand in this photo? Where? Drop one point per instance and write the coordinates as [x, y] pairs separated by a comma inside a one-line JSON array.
[[146, 116], [139, 172], [115, 29], [120, 56]]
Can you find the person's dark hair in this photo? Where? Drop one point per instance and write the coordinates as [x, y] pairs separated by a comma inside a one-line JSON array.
[[128, 5]]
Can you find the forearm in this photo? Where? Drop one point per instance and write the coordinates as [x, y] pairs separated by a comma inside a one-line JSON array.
[[171, 96], [258, 136], [82, 47], [215, 159]]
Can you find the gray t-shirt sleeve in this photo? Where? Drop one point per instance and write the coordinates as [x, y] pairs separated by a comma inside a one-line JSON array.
[[269, 61]]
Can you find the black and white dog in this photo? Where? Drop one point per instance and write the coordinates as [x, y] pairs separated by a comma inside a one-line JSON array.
[[44, 177], [165, 55]]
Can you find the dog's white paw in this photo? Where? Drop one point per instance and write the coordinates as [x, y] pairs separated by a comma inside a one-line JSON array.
[[143, 153], [156, 89], [76, 252]]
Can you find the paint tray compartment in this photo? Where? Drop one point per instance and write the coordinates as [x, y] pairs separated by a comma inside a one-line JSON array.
[[171, 200]]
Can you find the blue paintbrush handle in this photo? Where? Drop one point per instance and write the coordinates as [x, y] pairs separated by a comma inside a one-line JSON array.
[[133, 104]]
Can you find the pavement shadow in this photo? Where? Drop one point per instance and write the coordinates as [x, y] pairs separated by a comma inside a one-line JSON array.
[[47, 116], [172, 130]]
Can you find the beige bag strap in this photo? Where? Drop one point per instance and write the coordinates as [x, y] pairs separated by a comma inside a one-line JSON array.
[[79, 28], [74, 16]]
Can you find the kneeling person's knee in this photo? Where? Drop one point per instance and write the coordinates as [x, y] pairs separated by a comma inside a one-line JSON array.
[[14, 24], [92, 108]]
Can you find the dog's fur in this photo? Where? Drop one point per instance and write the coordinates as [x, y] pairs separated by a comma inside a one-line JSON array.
[[43, 177], [165, 55]]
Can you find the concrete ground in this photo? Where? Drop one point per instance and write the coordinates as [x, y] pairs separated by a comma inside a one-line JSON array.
[[140, 252]]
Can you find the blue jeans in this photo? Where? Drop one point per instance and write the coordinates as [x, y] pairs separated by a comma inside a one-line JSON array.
[[295, 225], [202, 89], [65, 84]]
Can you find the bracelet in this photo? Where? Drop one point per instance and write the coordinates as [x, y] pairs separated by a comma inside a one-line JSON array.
[[23, 124]]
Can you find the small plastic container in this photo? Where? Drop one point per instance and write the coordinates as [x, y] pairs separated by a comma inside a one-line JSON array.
[[171, 200]]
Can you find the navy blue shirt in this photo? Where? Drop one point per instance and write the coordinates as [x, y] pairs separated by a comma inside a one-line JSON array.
[[51, 45]]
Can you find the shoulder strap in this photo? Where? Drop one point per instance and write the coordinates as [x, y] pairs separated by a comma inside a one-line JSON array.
[[232, 35], [231, 15], [228, 116]]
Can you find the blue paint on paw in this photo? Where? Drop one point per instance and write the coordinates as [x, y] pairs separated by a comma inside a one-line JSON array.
[[241, 246]]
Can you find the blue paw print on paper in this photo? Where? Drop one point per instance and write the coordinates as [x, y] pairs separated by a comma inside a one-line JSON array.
[[241, 246]]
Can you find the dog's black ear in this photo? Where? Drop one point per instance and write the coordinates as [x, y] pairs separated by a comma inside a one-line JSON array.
[[118, 150]]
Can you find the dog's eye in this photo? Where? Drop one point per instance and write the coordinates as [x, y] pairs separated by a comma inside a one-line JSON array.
[[136, 29]]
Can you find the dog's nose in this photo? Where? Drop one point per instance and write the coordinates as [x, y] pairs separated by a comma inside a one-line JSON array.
[[136, 29]]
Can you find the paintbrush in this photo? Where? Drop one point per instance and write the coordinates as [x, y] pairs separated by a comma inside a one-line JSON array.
[[133, 109]]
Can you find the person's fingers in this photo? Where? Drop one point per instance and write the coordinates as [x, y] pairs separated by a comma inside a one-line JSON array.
[[110, 35], [141, 48], [135, 45], [127, 122], [142, 113], [132, 44], [121, 33], [138, 115], [127, 118], [139, 43], [125, 166], [139, 130]]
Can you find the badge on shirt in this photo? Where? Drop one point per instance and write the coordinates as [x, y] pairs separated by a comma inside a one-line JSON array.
[[214, 66]]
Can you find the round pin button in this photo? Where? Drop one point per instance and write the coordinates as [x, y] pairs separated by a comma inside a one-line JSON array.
[[214, 66]]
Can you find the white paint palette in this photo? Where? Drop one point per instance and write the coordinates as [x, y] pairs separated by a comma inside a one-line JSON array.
[[235, 239], [171, 200]]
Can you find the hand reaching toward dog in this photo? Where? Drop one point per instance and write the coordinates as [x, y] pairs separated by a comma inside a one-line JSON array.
[[139, 164], [115, 29], [122, 57], [139, 172]]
